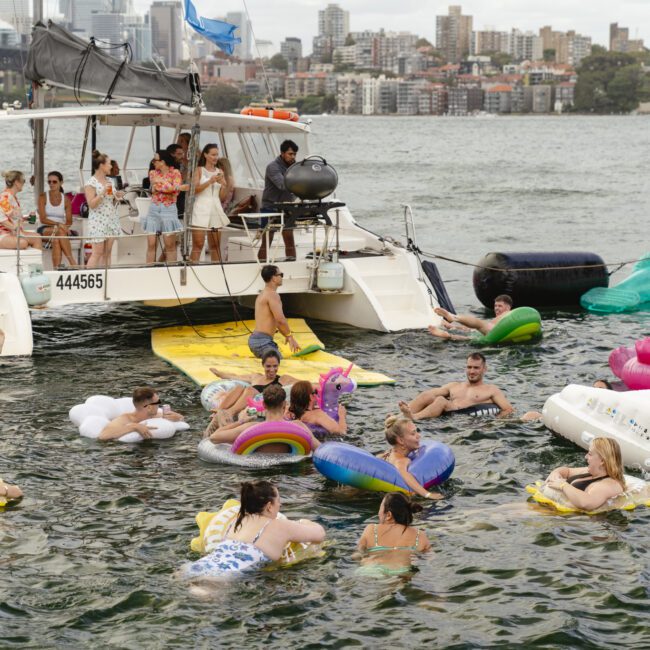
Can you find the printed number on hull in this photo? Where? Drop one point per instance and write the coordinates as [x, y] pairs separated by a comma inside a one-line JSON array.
[[80, 281]]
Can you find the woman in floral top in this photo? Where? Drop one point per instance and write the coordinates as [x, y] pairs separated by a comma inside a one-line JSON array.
[[11, 216], [166, 185], [103, 221]]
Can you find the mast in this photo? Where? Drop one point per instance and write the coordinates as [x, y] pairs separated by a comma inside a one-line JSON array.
[[38, 98]]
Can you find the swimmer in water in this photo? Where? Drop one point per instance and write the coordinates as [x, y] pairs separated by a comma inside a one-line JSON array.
[[458, 396], [502, 306], [9, 492]]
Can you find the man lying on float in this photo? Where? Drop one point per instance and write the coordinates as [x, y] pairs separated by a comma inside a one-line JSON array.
[[466, 322], [471, 397]]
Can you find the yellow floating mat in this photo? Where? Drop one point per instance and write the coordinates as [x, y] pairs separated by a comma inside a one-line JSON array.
[[225, 346]]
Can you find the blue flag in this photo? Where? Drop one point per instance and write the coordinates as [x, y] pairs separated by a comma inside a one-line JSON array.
[[217, 31]]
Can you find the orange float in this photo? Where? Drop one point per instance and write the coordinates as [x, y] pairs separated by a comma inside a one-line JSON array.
[[276, 114]]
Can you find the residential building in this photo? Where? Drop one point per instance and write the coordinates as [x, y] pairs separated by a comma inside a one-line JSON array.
[[365, 48], [166, 31], [243, 50], [408, 96], [525, 46], [345, 55], [322, 49], [463, 101], [302, 84], [264, 48], [335, 23], [564, 95], [9, 37], [498, 99], [539, 99], [619, 40], [17, 14], [454, 34], [81, 13], [439, 99], [349, 93], [291, 50], [489, 42], [569, 47], [579, 47], [387, 97]]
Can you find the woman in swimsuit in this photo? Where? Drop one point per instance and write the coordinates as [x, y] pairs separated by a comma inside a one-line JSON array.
[[590, 487], [404, 438], [390, 544], [236, 399], [302, 407], [257, 537]]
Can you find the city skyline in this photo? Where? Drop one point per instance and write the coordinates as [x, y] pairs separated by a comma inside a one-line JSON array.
[[300, 18]]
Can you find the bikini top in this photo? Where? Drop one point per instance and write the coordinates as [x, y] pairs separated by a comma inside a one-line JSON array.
[[260, 387], [259, 534], [378, 547], [586, 481]]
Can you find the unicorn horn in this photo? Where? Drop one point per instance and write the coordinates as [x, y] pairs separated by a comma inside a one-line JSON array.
[[347, 372]]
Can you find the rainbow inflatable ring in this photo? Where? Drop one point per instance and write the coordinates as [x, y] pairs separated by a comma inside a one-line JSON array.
[[431, 465], [266, 433]]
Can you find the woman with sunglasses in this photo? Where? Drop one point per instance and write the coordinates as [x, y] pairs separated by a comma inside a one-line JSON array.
[[404, 438], [55, 214], [11, 216], [302, 407]]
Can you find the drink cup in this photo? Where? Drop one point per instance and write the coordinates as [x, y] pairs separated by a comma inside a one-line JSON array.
[[32, 217], [109, 189], [167, 409]]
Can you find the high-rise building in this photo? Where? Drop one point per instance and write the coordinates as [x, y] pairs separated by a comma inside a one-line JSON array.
[[243, 50], [619, 40], [81, 13], [569, 47], [16, 13], [454, 34], [291, 48], [525, 46], [335, 23], [166, 31]]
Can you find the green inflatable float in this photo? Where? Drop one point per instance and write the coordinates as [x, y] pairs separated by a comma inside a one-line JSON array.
[[517, 326]]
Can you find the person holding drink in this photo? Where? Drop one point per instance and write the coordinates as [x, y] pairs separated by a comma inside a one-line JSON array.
[[103, 220], [12, 233]]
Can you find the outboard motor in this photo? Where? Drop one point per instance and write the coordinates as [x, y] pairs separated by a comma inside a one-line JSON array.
[[311, 179]]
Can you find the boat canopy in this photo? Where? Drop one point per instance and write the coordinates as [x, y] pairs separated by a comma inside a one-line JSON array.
[[61, 59]]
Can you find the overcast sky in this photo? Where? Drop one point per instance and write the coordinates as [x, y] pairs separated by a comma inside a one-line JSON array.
[[274, 20]]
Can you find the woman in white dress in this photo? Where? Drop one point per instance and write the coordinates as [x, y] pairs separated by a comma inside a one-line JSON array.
[[103, 220], [208, 216], [55, 213]]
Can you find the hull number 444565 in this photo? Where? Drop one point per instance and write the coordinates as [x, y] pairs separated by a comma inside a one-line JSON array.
[[80, 281]]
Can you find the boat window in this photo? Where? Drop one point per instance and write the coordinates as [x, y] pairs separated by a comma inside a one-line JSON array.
[[260, 150], [243, 175]]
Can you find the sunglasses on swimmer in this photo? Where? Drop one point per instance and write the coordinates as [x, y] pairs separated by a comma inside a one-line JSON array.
[[154, 403]]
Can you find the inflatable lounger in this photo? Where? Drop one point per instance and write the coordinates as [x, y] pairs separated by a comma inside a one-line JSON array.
[[581, 413], [517, 326], [226, 347]]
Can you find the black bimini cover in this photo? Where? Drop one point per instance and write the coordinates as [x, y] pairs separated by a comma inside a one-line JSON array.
[[65, 60]]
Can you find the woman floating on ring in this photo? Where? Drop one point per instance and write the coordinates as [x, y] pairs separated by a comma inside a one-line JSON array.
[[404, 438], [588, 488]]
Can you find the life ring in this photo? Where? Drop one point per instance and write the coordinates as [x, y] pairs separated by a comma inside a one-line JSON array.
[[517, 326], [98, 410], [637, 493], [431, 465], [265, 433], [274, 113], [213, 393], [213, 527]]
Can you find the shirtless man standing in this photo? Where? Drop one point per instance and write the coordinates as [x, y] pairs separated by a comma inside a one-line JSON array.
[[269, 316], [502, 305], [146, 402], [458, 395]]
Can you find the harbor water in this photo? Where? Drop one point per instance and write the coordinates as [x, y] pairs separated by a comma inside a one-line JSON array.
[[87, 558]]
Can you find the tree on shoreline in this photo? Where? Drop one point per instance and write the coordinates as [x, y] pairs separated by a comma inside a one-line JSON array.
[[608, 82]]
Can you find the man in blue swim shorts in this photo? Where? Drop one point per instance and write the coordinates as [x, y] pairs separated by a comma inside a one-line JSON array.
[[269, 316]]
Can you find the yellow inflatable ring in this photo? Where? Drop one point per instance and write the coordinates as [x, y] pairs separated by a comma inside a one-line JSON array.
[[636, 494], [214, 525]]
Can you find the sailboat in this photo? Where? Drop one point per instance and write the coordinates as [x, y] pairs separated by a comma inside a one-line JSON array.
[[383, 285]]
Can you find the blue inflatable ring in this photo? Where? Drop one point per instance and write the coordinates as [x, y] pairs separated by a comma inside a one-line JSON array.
[[431, 465]]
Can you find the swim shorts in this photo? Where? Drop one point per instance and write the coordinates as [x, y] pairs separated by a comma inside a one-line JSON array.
[[260, 343]]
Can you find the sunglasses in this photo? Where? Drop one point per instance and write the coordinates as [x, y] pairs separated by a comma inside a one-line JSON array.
[[52, 182], [280, 274], [154, 403]]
